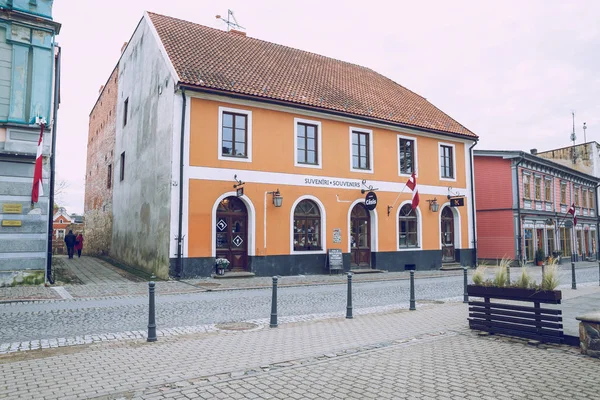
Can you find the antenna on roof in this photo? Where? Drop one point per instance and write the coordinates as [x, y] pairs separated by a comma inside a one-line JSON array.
[[573, 138], [230, 24]]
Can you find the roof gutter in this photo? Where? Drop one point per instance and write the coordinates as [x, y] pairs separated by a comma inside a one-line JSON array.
[[322, 110]]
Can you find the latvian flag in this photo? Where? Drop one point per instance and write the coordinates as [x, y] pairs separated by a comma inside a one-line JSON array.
[[573, 211], [412, 185], [38, 188]]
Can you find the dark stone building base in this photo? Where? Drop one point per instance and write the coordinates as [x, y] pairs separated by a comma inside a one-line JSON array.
[[316, 264]]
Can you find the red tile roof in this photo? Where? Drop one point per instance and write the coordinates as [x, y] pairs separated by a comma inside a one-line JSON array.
[[215, 59]]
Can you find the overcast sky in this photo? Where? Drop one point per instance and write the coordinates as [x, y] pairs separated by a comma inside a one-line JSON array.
[[510, 71]]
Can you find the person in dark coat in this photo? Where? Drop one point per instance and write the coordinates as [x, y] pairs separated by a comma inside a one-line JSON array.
[[79, 244], [70, 242]]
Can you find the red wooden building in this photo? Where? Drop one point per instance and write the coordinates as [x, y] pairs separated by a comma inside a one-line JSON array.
[[522, 206]]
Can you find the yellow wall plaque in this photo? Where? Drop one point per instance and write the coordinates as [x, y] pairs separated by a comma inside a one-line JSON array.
[[12, 208], [11, 223]]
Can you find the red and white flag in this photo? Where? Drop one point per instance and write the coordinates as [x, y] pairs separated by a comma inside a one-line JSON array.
[[573, 211], [38, 188], [412, 185]]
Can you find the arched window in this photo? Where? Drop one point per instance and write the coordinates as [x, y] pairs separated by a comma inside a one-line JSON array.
[[307, 226], [408, 227]]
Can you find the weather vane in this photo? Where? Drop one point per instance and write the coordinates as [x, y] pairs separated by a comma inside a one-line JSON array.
[[230, 21]]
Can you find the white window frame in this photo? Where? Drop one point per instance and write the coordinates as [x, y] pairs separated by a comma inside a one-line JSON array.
[[415, 158], [60, 233], [546, 180], [319, 164], [220, 155], [419, 227], [440, 144], [323, 226], [371, 170]]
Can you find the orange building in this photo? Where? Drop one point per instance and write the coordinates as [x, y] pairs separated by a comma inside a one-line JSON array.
[[232, 147]]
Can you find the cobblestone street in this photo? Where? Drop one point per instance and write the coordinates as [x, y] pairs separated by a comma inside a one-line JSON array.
[[427, 353]]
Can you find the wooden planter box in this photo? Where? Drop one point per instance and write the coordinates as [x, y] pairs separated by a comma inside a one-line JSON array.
[[517, 294]]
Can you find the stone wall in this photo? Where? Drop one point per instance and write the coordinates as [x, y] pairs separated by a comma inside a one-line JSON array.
[[589, 334]]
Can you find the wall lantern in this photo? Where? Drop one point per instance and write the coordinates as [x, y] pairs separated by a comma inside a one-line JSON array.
[[277, 198], [434, 205]]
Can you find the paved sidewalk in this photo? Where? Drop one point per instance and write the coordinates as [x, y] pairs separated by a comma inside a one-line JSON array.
[[428, 353]]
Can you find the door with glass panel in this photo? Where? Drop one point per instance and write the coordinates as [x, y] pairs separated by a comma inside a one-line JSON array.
[[360, 237], [231, 232], [447, 231]]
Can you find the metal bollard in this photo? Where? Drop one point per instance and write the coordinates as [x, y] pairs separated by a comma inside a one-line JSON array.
[[508, 274], [598, 273], [274, 304], [466, 294], [573, 281], [151, 312], [543, 271], [349, 305], [412, 291]]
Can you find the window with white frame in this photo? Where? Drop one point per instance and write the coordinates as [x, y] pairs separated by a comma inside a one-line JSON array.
[[563, 193], [548, 189], [576, 193], [408, 227], [235, 134], [447, 161], [361, 150], [538, 188], [584, 198], [407, 155], [307, 143], [307, 226], [526, 186]]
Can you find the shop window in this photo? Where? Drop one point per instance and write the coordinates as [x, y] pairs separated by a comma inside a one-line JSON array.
[[526, 186], [529, 244], [563, 193], [447, 161], [361, 141], [307, 143], [407, 155], [307, 226], [408, 225], [538, 188], [565, 241], [580, 244], [548, 189]]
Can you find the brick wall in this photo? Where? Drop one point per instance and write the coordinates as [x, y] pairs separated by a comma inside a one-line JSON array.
[[100, 159]]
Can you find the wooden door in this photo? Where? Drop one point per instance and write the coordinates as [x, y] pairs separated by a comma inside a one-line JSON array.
[[447, 231], [232, 233], [360, 237]]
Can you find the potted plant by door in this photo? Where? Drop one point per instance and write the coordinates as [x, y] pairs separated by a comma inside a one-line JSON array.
[[539, 257], [222, 264]]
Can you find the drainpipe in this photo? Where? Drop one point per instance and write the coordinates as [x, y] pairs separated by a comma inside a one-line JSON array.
[[597, 224], [473, 203], [52, 169], [519, 238], [178, 268]]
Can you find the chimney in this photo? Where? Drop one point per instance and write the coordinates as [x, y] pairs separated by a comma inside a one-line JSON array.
[[100, 90], [533, 151], [123, 47], [236, 32]]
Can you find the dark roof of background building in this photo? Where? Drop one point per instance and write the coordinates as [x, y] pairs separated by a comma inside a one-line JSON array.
[[231, 62]]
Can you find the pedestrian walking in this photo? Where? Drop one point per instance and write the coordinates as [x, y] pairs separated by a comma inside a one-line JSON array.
[[79, 244], [70, 242]]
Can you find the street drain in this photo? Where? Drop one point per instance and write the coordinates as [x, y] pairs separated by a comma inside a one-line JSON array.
[[237, 326]]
